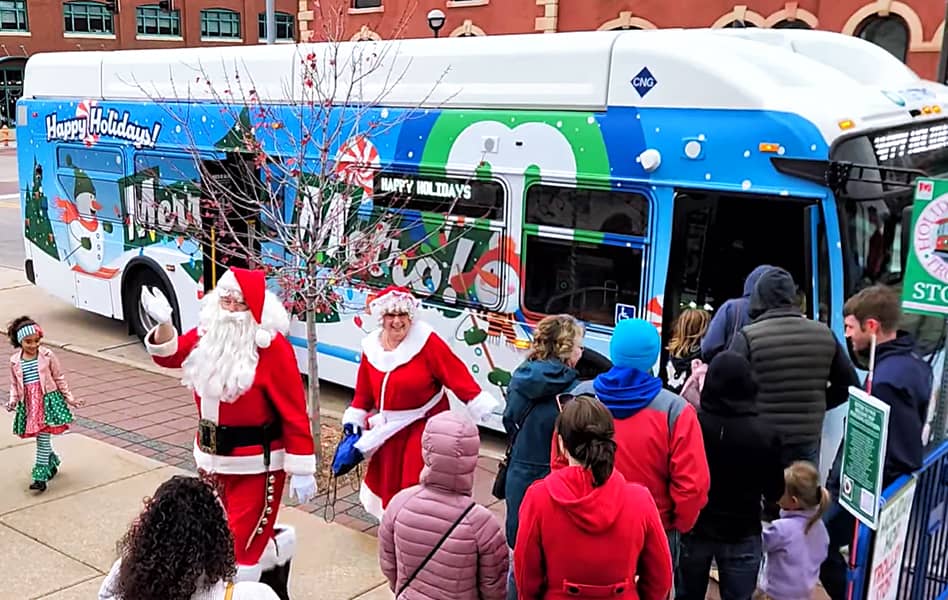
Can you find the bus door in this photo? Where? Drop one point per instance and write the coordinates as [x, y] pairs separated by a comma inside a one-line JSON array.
[[719, 238], [231, 193], [89, 207], [585, 253]]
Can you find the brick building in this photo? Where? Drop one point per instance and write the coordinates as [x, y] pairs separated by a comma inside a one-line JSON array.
[[31, 26], [910, 29]]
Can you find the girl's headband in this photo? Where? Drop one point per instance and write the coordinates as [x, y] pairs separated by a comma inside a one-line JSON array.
[[26, 331]]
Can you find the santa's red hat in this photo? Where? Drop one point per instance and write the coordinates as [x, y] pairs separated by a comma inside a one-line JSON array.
[[394, 299], [265, 308]]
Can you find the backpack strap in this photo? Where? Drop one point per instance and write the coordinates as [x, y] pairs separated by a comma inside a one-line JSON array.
[[434, 550]]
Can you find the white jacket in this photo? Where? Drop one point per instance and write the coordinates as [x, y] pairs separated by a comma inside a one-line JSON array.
[[245, 590]]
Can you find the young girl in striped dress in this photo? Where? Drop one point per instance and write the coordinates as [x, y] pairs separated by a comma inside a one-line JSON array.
[[40, 396]]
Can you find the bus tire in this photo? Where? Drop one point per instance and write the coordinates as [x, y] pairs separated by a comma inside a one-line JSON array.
[[139, 323]]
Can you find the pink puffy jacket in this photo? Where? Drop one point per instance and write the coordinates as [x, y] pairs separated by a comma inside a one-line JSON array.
[[472, 562]]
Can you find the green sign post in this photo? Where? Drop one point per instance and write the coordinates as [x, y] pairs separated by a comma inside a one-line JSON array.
[[925, 286], [867, 429]]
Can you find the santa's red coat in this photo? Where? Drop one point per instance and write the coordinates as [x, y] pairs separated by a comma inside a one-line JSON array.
[[276, 395], [404, 379]]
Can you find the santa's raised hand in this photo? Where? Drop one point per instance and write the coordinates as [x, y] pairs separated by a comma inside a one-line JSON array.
[[156, 305]]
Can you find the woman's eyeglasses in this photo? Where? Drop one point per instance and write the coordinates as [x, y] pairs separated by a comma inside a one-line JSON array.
[[562, 399]]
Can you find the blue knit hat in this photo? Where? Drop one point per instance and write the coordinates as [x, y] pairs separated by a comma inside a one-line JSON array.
[[635, 344]]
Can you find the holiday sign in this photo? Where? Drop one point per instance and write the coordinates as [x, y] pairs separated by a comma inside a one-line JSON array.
[[925, 289]]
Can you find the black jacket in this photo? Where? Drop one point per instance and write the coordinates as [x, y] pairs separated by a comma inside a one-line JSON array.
[[743, 452], [801, 368], [903, 381]]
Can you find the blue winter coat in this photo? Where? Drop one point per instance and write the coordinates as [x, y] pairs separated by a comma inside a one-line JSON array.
[[729, 318], [535, 384]]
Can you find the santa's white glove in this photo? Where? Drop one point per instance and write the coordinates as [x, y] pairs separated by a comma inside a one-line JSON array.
[[303, 487], [156, 305]]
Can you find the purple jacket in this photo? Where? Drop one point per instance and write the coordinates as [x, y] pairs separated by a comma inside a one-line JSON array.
[[472, 563], [793, 556]]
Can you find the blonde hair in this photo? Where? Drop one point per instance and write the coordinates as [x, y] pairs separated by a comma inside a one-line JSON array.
[[555, 337], [690, 327], [803, 483]]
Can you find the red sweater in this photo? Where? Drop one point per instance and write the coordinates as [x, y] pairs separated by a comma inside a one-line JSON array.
[[594, 541], [672, 465]]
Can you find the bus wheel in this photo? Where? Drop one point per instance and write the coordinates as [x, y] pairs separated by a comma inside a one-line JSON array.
[[139, 322]]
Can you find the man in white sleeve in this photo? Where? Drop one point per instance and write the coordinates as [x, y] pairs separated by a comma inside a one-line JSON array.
[[254, 428]]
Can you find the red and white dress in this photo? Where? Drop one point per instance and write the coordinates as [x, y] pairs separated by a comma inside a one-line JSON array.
[[406, 387]]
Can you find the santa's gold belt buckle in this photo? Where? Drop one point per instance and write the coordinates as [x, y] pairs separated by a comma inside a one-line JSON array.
[[207, 436]]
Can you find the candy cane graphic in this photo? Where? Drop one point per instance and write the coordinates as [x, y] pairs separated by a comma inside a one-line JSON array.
[[83, 111], [356, 164]]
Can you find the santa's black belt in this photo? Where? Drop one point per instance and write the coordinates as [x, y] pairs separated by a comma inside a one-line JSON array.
[[223, 439]]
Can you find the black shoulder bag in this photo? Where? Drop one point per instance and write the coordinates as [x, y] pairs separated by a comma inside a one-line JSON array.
[[500, 481], [434, 550]]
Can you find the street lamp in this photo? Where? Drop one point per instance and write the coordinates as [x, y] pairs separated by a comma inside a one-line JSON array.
[[435, 20]]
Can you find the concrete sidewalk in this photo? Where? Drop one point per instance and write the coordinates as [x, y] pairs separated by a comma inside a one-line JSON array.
[[61, 543]]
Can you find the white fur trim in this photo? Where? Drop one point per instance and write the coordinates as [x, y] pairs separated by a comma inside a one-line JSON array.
[[299, 464], [262, 338], [384, 361], [371, 502], [482, 405], [237, 465], [248, 573], [228, 283], [160, 350], [355, 416], [210, 409], [274, 316], [280, 549]]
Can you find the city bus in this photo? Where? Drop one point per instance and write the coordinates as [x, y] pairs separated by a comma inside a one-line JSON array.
[[629, 174]]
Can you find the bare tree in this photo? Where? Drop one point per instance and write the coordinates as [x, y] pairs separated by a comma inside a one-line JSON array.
[[295, 195]]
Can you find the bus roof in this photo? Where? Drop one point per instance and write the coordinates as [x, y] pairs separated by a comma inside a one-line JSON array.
[[824, 77]]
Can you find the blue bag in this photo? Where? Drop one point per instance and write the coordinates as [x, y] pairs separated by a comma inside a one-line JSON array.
[[347, 456]]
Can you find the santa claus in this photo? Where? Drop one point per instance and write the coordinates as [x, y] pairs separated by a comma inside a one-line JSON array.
[[254, 427], [403, 374]]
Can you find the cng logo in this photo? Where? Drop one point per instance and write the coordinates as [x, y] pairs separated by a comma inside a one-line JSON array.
[[644, 82]]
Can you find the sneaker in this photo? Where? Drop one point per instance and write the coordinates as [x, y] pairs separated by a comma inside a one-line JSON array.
[[39, 486]]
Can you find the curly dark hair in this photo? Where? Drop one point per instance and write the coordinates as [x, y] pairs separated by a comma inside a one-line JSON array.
[[180, 536], [15, 325]]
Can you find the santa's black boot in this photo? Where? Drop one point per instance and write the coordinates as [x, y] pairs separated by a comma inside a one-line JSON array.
[[278, 578], [276, 560]]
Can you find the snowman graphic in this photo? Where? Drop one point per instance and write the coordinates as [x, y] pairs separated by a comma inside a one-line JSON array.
[[86, 233]]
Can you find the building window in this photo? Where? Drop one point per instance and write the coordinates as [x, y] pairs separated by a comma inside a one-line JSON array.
[[889, 32], [87, 17], [794, 24], [626, 28], [220, 23], [13, 15], [154, 21], [736, 24], [366, 3], [11, 88], [284, 26]]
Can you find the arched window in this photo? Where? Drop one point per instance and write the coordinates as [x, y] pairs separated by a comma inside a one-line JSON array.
[[889, 32], [794, 24], [87, 17], [626, 28], [284, 26], [220, 23], [739, 25]]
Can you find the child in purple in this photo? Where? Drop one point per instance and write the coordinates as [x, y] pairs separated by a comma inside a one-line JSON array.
[[796, 544]]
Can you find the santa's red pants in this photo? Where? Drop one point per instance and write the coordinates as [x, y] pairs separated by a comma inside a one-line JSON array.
[[246, 498]]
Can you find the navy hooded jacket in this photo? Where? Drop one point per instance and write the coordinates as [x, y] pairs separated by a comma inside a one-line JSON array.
[[731, 317], [903, 381], [531, 404]]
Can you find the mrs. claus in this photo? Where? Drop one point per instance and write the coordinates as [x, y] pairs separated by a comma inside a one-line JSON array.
[[404, 369]]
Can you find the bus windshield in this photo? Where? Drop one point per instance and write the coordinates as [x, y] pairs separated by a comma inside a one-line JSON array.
[[874, 229]]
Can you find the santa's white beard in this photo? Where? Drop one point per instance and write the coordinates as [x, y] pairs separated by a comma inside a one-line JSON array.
[[224, 363]]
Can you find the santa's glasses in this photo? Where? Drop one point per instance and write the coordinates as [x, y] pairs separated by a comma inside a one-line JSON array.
[[232, 304]]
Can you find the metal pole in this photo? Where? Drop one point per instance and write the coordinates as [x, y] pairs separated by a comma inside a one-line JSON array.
[[943, 56], [940, 417], [271, 21]]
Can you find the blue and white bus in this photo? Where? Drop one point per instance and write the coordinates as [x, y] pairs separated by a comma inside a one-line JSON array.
[[618, 174]]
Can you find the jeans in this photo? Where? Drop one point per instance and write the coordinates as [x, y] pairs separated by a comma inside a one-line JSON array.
[[738, 565], [840, 525], [808, 451]]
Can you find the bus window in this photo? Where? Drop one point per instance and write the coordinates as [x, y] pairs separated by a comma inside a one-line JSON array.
[[89, 159], [586, 280], [624, 213], [456, 196]]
